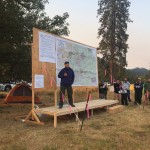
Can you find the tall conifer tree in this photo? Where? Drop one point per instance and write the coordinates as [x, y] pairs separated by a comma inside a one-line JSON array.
[[113, 19]]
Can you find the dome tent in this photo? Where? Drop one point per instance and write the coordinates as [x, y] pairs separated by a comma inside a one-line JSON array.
[[21, 93]]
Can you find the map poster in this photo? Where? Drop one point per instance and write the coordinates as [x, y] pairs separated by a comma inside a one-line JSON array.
[[47, 51], [39, 81], [82, 58]]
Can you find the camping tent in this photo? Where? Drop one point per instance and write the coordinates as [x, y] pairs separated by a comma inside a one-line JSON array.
[[21, 93]]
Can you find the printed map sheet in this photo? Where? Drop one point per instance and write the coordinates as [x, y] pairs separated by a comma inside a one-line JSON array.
[[83, 60]]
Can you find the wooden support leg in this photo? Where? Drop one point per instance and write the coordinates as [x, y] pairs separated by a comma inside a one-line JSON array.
[[33, 116], [28, 116], [55, 120]]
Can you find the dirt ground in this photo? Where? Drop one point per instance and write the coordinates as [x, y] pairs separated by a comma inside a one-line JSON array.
[[127, 130]]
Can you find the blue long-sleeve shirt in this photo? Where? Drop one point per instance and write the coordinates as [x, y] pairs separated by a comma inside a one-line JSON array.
[[69, 79]]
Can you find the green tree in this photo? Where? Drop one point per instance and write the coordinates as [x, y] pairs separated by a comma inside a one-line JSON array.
[[17, 18], [114, 16]]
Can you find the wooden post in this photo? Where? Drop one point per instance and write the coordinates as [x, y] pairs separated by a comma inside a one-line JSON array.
[[55, 120]]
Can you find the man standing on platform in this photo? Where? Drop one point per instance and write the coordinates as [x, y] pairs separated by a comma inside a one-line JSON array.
[[67, 78]]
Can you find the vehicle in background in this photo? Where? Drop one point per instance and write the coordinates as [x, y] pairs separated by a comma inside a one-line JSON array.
[[7, 86]]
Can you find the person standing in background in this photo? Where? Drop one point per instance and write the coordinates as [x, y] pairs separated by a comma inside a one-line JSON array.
[[147, 90], [127, 84], [138, 87], [117, 88], [124, 94], [103, 90]]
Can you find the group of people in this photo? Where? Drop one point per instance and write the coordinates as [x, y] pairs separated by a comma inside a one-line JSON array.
[[122, 91]]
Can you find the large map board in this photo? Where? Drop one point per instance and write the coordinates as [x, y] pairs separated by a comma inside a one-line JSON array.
[[82, 58]]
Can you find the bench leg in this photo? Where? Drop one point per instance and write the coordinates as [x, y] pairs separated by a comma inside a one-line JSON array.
[[55, 120]]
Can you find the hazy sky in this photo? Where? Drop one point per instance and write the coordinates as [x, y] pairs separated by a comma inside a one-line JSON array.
[[84, 26]]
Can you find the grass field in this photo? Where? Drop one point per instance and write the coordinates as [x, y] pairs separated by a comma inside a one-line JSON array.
[[128, 130]]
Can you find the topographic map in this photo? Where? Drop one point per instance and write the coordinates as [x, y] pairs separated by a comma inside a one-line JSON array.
[[83, 60]]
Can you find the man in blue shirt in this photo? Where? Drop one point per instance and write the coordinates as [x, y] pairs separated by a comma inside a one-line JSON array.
[[67, 78]]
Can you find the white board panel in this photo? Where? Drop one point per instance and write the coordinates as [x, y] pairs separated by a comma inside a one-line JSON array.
[[47, 49], [39, 81]]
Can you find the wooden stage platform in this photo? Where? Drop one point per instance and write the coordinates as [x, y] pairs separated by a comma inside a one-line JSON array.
[[55, 111]]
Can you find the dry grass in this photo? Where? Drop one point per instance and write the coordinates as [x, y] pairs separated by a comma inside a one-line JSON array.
[[128, 130]]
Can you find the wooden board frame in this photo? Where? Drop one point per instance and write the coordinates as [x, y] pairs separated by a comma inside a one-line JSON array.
[[49, 71]]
